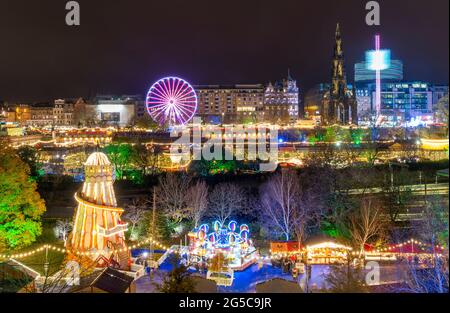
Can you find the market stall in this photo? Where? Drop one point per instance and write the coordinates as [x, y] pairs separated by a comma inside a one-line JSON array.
[[327, 252]]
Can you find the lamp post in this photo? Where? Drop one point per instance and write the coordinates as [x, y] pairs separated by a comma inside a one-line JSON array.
[[46, 263], [392, 175]]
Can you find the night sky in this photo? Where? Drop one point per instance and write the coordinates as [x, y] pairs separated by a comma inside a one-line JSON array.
[[122, 46]]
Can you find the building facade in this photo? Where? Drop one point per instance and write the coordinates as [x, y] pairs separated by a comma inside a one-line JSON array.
[[405, 101], [42, 115], [63, 112], [112, 110], [281, 101], [401, 102], [230, 103], [20, 114], [244, 103]]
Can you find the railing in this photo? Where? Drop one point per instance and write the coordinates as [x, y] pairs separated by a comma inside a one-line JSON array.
[[112, 231], [166, 254]]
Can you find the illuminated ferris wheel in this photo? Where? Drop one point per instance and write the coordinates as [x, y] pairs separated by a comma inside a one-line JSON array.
[[172, 101]]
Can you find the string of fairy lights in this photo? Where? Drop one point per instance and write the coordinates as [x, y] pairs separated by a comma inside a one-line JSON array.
[[164, 247], [82, 253], [410, 242]]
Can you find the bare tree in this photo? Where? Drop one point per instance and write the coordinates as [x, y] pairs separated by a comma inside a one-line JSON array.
[[172, 196], [224, 201], [134, 213], [63, 229], [310, 208], [442, 111], [280, 202], [433, 278], [365, 224], [434, 231], [197, 201]]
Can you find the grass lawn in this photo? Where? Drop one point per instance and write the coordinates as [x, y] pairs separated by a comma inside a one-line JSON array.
[[37, 261]]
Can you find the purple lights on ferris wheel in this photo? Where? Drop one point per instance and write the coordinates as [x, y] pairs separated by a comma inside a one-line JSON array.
[[171, 100]]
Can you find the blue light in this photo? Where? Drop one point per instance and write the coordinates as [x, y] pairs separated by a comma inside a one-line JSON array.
[[280, 140], [378, 60]]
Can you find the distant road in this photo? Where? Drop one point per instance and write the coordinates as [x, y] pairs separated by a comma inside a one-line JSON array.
[[431, 189]]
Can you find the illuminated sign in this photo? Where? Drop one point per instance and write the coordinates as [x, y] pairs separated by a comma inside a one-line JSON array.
[[378, 60]]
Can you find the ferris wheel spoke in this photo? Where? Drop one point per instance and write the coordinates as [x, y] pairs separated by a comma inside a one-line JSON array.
[[159, 92], [158, 119], [162, 114], [184, 111], [188, 110], [159, 110], [188, 100], [157, 102], [175, 85], [156, 109], [181, 109], [178, 88], [186, 91], [169, 88], [166, 89], [160, 107], [186, 94], [157, 95], [178, 110]]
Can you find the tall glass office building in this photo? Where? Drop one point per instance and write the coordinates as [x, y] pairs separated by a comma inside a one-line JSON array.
[[401, 101]]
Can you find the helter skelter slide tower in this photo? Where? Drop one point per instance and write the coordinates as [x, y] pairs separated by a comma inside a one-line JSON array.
[[98, 230]]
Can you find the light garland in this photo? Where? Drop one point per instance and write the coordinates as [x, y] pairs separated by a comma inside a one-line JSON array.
[[164, 247], [29, 253], [406, 243], [82, 253]]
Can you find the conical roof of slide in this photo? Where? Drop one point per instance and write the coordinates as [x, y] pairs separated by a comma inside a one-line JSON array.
[[97, 158]]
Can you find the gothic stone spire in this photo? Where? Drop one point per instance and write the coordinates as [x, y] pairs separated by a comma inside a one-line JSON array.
[[338, 80]]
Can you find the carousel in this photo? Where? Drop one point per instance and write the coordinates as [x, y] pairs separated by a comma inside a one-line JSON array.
[[231, 241]]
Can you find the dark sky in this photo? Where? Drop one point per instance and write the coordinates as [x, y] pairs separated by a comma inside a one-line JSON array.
[[122, 46]]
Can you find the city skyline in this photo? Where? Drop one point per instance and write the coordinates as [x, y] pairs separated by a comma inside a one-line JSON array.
[[241, 147], [259, 47]]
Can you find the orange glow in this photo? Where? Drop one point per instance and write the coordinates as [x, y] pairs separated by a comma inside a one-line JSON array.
[[98, 226]]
